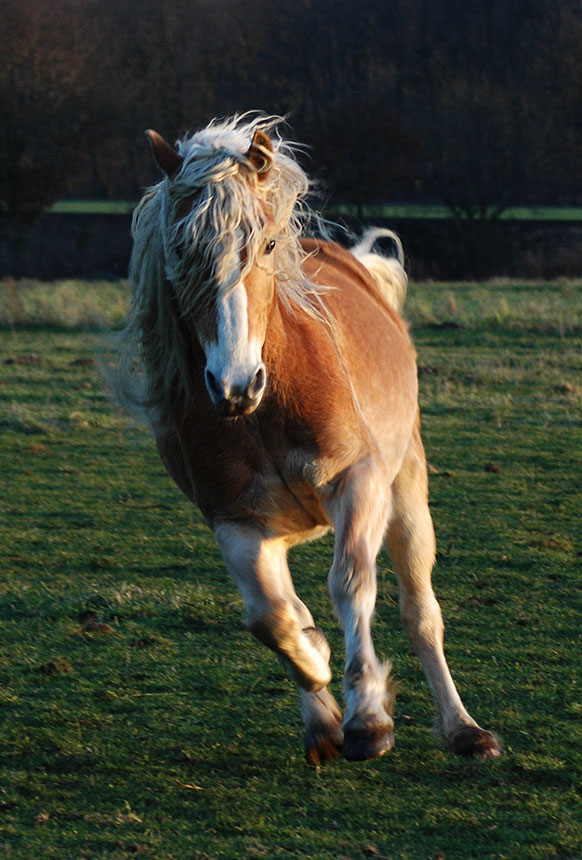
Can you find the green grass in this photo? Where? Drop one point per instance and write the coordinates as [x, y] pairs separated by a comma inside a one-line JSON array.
[[395, 210], [138, 717], [66, 304], [439, 212], [93, 207]]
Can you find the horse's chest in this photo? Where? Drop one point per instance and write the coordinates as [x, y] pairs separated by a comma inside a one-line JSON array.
[[248, 474], [281, 493], [283, 508]]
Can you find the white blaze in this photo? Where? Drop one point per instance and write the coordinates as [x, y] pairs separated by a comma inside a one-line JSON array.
[[233, 360]]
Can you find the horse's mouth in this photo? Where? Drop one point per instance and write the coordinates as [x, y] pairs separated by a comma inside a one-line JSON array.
[[237, 408]]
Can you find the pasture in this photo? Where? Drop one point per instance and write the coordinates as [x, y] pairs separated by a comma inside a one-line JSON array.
[[139, 718]]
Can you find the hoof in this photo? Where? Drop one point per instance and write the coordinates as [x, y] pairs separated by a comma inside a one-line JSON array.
[[323, 737], [321, 747], [474, 741], [363, 743]]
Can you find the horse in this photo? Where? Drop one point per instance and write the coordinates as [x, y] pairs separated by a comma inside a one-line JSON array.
[[280, 384]]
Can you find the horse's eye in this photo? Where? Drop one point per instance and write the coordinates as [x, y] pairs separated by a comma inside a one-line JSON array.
[[270, 246]]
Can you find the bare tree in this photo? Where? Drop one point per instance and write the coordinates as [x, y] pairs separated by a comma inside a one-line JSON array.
[[473, 104]]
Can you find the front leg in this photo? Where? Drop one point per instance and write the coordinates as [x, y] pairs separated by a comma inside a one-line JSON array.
[[323, 726], [280, 620], [360, 512], [273, 612]]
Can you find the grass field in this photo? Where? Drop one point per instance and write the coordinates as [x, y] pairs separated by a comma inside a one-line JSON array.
[[139, 718]]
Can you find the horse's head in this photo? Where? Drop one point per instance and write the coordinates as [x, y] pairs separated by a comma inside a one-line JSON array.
[[219, 259]]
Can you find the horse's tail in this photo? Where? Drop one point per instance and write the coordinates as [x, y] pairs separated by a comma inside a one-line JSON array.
[[387, 272]]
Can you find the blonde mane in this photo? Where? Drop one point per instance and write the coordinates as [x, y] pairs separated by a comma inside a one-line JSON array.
[[188, 233]]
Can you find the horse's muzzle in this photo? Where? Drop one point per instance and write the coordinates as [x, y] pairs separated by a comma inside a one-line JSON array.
[[232, 401]]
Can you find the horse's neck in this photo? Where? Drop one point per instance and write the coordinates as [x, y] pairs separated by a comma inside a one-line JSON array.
[[293, 348], [307, 374]]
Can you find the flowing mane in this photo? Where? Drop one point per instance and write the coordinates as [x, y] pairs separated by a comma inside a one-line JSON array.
[[188, 234]]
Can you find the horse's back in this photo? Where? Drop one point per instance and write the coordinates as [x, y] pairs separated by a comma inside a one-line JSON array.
[[339, 264], [376, 351]]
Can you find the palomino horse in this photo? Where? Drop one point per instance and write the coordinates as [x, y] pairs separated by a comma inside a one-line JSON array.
[[281, 386]]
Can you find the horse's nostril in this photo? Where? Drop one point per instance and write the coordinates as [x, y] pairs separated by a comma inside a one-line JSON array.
[[214, 387], [258, 382]]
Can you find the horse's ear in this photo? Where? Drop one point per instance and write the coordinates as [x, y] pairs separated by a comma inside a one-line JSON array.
[[167, 159], [260, 154]]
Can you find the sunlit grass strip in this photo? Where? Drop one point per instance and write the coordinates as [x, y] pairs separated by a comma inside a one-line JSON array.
[[392, 210], [437, 212], [93, 207], [542, 213]]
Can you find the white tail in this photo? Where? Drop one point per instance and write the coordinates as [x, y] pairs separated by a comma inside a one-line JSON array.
[[387, 272]]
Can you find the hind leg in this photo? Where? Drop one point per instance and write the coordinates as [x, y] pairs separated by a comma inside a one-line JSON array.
[[280, 620], [359, 512], [411, 543]]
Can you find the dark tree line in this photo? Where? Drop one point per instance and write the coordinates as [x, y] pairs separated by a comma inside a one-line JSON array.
[[473, 104]]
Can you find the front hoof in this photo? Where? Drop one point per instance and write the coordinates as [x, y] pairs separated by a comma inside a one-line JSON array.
[[321, 748], [363, 743], [474, 741]]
